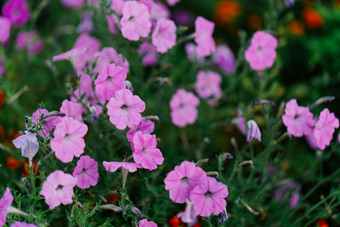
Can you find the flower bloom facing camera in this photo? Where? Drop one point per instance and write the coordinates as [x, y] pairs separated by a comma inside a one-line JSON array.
[[16, 11], [86, 172], [164, 36], [208, 86]]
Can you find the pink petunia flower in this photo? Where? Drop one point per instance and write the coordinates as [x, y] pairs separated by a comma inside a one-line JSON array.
[[325, 127], [114, 166], [112, 22], [86, 24], [136, 21], [208, 86], [204, 30], [58, 189], [149, 52], [183, 108], [16, 11], [224, 58], [109, 55], [145, 151], [73, 4], [22, 224], [5, 27], [164, 35], [117, 6], [145, 126], [68, 139], [86, 172], [192, 54], [146, 223], [5, 203], [28, 144], [48, 123], [189, 215], [182, 180], [72, 109], [298, 120], [110, 80], [29, 41], [261, 53], [172, 2], [124, 109], [209, 197]]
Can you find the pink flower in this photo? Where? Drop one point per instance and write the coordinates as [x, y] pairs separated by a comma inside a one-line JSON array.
[[5, 203], [30, 41], [298, 120], [145, 126], [146, 223], [253, 131], [239, 121], [109, 55], [208, 86], [136, 21], [208, 197], [149, 52], [183, 108], [5, 27], [204, 30], [68, 139], [157, 10], [172, 2], [72, 109], [73, 4], [182, 180], [110, 80], [114, 166], [124, 109], [117, 6], [189, 215], [58, 188], [145, 151], [261, 53], [16, 11], [164, 35], [192, 53], [86, 24], [112, 22], [224, 58], [22, 224], [48, 123], [325, 127], [86, 172]]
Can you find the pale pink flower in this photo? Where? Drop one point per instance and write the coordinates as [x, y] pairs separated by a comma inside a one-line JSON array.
[[124, 109], [5, 27], [209, 197], [172, 2], [86, 24], [298, 119], [146, 223], [68, 139], [72, 109], [204, 30], [145, 126], [189, 215], [239, 121], [192, 53], [261, 53], [86, 172], [16, 11], [58, 189], [29, 41], [5, 203], [253, 131], [117, 6], [325, 127], [149, 52], [110, 80], [145, 151], [224, 58], [114, 166], [109, 55], [22, 224], [157, 10], [136, 21], [182, 180], [164, 35], [28, 144], [183, 108], [208, 86], [73, 4]]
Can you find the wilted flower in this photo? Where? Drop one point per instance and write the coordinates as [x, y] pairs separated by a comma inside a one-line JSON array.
[[86, 172], [224, 217], [253, 131], [164, 35], [16, 11], [5, 27], [203, 36], [28, 144]]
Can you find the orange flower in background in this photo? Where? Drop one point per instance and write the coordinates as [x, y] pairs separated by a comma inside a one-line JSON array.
[[322, 223], [296, 28], [13, 163], [255, 22], [26, 171], [175, 221], [312, 18], [226, 11], [2, 97]]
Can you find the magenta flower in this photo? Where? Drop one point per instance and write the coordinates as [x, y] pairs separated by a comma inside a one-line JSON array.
[[145, 151], [110, 80], [184, 108], [48, 123], [253, 131], [68, 139], [208, 86], [136, 21], [16, 11], [109, 55], [209, 197], [224, 58], [145, 126], [22, 224], [114, 166], [29, 41], [5, 28], [164, 35], [261, 53], [58, 188], [124, 109], [149, 52], [72, 109], [204, 30], [146, 223], [182, 180], [298, 120], [73, 4], [325, 127], [86, 172], [172, 2], [28, 144], [5, 203]]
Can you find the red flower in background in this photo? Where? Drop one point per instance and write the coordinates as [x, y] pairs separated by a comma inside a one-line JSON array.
[[26, 171], [175, 221], [296, 28], [226, 11], [13, 163], [2, 97], [312, 18], [322, 223]]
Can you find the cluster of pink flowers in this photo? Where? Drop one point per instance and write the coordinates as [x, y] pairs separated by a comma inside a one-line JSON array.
[[301, 122], [189, 182], [29, 41]]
